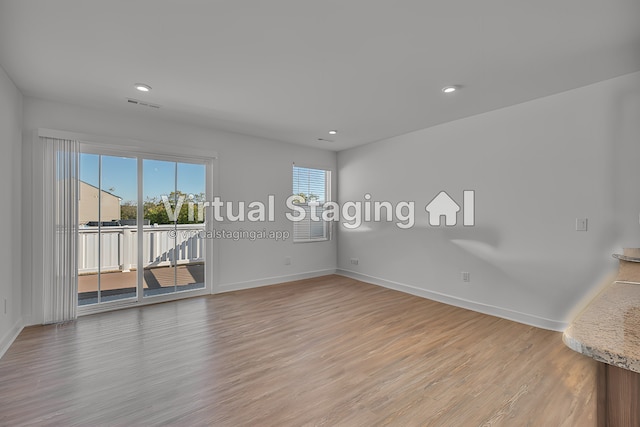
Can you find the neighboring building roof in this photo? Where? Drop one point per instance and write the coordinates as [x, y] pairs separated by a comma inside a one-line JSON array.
[[104, 191]]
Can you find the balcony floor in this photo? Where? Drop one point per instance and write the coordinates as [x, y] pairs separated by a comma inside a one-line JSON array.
[[157, 280]]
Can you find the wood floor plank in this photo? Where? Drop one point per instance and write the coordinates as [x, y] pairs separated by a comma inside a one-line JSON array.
[[328, 351]]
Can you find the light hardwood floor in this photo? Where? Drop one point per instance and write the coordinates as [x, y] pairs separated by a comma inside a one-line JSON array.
[[329, 351]]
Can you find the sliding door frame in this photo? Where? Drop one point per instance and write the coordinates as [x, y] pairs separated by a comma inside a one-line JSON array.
[[209, 162]]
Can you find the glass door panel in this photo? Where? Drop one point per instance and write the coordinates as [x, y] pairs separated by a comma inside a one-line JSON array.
[[173, 244], [107, 210]]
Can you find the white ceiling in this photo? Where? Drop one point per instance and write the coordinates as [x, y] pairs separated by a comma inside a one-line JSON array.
[[292, 70]]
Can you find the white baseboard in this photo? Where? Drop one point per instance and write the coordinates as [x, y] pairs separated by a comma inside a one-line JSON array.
[[237, 286], [505, 313], [10, 337]]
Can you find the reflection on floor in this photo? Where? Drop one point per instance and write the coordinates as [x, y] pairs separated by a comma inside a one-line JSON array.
[[158, 280]]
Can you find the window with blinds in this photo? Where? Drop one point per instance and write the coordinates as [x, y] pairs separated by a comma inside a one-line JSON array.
[[311, 186]]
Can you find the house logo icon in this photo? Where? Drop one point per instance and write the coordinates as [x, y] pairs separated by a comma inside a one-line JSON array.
[[443, 205]]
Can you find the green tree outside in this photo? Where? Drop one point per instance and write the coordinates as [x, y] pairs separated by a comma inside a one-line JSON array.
[[155, 211]]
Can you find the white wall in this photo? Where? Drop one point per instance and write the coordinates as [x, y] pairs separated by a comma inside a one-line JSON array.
[[248, 169], [535, 167], [10, 193]]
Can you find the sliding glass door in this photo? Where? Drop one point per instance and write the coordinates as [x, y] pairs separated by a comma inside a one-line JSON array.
[[173, 244], [107, 212], [141, 227]]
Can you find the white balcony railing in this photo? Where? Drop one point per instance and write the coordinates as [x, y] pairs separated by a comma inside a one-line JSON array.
[[119, 247]]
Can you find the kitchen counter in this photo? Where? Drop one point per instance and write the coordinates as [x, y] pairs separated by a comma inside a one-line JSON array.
[[608, 329]]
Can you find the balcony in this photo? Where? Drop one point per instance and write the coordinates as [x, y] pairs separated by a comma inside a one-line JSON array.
[[170, 264]]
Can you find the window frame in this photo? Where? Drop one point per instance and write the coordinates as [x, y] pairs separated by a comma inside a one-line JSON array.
[[327, 225]]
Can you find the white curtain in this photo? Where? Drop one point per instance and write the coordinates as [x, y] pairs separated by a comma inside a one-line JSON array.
[[60, 212]]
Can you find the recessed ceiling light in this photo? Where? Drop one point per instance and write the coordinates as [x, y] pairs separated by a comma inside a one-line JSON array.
[[142, 87], [449, 89], [333, 132]]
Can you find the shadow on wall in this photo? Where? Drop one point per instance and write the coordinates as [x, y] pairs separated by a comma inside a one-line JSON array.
[[515, 272]]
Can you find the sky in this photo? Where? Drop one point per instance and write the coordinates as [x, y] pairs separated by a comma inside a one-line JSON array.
[[119, 176]]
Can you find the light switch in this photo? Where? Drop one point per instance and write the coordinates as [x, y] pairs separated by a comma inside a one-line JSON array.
[[581, 224]]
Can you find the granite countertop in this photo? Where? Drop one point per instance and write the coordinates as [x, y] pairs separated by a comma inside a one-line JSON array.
[[608, 329], [626, 258]]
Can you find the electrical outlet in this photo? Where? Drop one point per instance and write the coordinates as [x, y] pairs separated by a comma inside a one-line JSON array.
[[5, 306], [466, 276], [354, 261], [287, 260]]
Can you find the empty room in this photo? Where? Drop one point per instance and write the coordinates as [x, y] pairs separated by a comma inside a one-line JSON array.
[[336, 213]]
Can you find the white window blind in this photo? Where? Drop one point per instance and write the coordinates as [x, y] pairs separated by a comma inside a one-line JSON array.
[[311, 185], [60, 213]]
